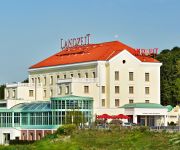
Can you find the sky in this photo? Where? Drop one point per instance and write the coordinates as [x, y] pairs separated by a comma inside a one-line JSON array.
[[30, 30]]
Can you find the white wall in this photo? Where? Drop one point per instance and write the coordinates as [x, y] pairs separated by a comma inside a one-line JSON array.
[[13, 133]]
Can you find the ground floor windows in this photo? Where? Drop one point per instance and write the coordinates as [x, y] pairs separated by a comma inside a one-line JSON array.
[[6, 138], [146, 120], [17, 119], [5, 119], [40, 118]]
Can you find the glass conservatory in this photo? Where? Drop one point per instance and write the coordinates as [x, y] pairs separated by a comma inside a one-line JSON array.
[[48, 114]]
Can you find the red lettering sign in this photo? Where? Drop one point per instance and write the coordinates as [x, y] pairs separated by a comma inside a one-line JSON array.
[[146, 52]]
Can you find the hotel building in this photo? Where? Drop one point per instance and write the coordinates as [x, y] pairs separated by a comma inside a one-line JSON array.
[[109, 77]]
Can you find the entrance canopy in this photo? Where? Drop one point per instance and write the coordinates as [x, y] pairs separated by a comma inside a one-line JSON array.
[[143, 105], [146, 111]]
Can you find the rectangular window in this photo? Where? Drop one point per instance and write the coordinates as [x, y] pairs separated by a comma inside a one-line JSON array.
[[116, 75], [14, 94], [79, 75], [147, 77], [31, 93], [94, 75], [116, 102], [64, 76], [146, 90], [86, 89], [131, 76], [131, 89], [51, 93], [103, 89], [51, 80], [58, 77], [39, 80], [86, 75], [67, 90], [8, 94], [44, 80], [131, 101], [44, 93], [103, 102], [32, 80], [60, 90], [146, 101], [116, 89]]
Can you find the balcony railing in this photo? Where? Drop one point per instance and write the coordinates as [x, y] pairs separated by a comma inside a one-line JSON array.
[[78, 80], [19, 84]]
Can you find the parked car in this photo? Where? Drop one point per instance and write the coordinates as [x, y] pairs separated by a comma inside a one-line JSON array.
[[126, 124]]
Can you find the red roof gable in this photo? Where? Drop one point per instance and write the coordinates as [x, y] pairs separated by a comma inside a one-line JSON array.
[[87, 53]]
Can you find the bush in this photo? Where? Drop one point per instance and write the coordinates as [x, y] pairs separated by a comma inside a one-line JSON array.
[[116, 122], [143, 128], [51, 136], [21, 142], [66, 129]]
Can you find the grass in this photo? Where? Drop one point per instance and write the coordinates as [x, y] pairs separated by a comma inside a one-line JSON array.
[[93, 139]]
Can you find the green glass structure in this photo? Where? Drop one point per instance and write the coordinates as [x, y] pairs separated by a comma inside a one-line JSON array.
[[48, 114]]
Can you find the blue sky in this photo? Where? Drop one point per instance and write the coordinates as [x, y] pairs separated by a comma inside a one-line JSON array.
[[30, 30]]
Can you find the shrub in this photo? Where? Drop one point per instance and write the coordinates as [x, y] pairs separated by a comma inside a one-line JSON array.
[[51, 136], [22, 142], [66, 129], [143, 128]]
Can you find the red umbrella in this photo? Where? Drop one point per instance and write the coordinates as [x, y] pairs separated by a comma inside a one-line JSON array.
[[121, 116], [104, 116], [126, 117]]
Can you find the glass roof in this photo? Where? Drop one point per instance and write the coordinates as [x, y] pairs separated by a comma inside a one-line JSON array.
[[34, 106]]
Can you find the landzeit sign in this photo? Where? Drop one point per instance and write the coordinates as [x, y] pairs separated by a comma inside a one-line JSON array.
[[75, 41]]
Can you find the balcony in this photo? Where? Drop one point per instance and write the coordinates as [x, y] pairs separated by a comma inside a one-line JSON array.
[[19, 84], [78, 80]]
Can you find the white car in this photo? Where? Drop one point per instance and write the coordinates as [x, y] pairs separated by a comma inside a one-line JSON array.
[[126, 124]]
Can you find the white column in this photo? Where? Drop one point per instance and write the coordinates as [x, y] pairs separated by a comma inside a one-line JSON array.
[[134, 118], [165, 120]]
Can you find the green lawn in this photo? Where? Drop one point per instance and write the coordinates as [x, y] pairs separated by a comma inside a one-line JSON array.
[[114, 139]]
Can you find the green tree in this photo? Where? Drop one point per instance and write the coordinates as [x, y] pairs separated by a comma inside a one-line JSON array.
[[170, 76], [75, 117]]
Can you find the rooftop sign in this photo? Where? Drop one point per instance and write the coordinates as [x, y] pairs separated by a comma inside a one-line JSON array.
[[75, 41], [147, 52]]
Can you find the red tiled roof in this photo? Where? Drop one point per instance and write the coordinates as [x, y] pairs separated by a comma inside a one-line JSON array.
[[87, 53]]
